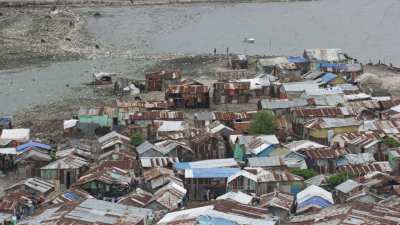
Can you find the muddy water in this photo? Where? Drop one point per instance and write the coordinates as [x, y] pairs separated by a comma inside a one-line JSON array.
[[366, 29]]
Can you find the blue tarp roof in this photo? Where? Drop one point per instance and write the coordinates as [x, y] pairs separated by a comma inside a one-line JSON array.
[[333, 65], [182, 166], [5, 120], [208, 220], [296, 59], [316, 200], [71, 196], [213, 172], [328, 77], [32, 144]]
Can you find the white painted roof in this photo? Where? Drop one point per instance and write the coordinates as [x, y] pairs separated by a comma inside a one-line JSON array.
[[167, 126], [303, 144], [312, 191], [70, 123], [8, 151], [238, 197], [347, 186], [20, 134]]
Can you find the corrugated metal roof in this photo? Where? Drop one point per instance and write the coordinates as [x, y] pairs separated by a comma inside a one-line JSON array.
[[324, 112], [158, 115], [303, 144], [238, 197], [273, 161], [331, 123], [347, 186], [325, 153], [210, 163], [148, 162], [210, 172], [283, 104], [359, 170], [314, 191], [277, 199], [69, 162], [300, 86]]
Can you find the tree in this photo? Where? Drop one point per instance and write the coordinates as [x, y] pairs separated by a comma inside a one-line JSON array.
[[263, 123], [137, 139], [305, 173]]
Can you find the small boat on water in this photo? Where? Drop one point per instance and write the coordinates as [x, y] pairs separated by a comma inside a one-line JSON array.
[[249, 40], [102, 78]]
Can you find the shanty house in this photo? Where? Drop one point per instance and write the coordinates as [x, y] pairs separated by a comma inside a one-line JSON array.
[[221, 212], [158, 81], [157, 177], [316, 57], [293, 90], [313, 197], [260, 181], [30, 161], [346, 190], [15, 137], [91, 211], [322, 130], [208, 146], [281, 107], [359, 142], [231, 92], [113, 141], [65, 171], [167, 148], [324, 160], [35, 186], [207, 183], [188, 95], [300, 116], [105, 183], [5, 122], [254, 145], [394, 159], [278, 203], [18, 204], [94, 121]]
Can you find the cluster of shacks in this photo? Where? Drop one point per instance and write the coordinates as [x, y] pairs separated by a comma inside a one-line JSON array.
[[334, 157]]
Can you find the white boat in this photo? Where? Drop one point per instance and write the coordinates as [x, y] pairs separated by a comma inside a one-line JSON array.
[[250, 40]]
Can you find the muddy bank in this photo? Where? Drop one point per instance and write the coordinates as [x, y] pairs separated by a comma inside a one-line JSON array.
[[80, 3], [40, 36]]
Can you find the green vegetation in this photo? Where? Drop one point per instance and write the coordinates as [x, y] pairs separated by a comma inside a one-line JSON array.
[[337, 179], [263, 123], [305, 173], [137, 139], [391, 142]]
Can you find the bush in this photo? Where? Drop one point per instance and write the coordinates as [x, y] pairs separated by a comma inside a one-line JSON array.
[[391, 142], [305, 173], [263, 123], [337, 179], [137, 139]]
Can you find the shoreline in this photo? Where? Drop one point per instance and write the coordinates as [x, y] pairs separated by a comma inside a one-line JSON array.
[[109, 3]]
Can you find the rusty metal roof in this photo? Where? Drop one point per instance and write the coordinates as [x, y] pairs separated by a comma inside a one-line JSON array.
[[351, 214], [187, 89], [158, 115], [323, 112], [360, 170], [144, 104], [277, 199], [164, 74], [325, 153]]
